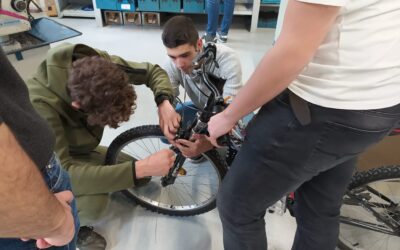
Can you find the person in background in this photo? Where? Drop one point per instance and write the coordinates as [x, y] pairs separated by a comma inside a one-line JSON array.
[[213, 10], [328, 90]]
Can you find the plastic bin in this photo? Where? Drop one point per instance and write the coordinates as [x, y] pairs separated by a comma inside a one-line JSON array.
[[148, 5], [193, 6], [170, 5]]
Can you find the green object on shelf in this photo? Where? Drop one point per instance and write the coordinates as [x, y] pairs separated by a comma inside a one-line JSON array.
[[267, 20], [271, 1]]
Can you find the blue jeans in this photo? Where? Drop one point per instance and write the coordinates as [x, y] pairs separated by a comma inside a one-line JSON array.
[[213, 9], [279, 155], [188, 112], [57, 180]]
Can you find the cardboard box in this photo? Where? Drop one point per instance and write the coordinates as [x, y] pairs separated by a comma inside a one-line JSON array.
[[51, 9]]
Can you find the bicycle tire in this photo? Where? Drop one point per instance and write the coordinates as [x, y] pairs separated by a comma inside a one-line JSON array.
[[383, 180], [138, 135]]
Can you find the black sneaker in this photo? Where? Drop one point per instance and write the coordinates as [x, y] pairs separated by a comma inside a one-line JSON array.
[[209, 38], [90, 240]]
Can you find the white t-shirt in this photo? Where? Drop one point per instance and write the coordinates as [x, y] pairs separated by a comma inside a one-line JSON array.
[[358, 64]]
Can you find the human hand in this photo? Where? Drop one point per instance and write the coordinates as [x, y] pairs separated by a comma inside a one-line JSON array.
[[197, 145], [169, 120], [65, 232], [218, 126], [157, 164]]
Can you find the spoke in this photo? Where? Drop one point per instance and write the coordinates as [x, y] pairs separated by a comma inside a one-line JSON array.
[[143, 148], [154, 147], [191, 197], [176, 194], [148, 150], [201, 192], [133, 154], [201, 184]]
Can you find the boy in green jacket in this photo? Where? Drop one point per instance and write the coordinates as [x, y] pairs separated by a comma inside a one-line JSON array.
[[79, 90]]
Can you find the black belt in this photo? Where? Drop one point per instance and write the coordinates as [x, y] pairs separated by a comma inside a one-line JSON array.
[[300, 109]]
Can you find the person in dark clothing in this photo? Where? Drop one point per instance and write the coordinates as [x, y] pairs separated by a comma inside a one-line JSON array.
[[36, 203]]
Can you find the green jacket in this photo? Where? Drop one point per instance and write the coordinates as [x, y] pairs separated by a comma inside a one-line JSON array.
[[74, 137]]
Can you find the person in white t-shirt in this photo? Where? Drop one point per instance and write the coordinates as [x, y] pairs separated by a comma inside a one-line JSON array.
[[329, 89]]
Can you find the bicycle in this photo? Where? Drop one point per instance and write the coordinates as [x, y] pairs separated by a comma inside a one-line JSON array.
[[185, 191]]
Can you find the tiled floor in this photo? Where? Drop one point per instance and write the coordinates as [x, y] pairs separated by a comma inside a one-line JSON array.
[[127, 226]]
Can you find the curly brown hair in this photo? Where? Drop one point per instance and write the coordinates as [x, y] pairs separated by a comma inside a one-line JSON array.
[[102, 90]]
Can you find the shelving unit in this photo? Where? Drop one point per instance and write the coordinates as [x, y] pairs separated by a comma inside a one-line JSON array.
[[250, 8], [242, 8], [74, 8]]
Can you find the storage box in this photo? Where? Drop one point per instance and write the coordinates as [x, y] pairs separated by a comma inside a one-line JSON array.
[[107, 4], [271, 1], [151, 18], [267, 20], [148, 5], [193, 6], [51, 8], [126, 5], [132, 18], [113, 18], [170, 5]]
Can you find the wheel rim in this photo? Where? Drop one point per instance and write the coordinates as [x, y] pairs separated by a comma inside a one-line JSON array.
[[376, 193], [194, 190]]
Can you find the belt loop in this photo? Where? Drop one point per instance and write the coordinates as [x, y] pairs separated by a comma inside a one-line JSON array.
[[300, 109]]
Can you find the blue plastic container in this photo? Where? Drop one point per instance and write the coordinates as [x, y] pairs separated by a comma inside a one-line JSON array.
[[148, 5], [126, 5], [170, 5], [271, 1], [107, 4], [267, 20], [193, 6]]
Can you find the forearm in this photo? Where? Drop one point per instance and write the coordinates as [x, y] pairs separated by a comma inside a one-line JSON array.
[[89, 178], [27, 208], [158, 81], [305, 27]]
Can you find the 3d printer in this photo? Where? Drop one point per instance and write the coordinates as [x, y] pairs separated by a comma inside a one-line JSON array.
[[14, 18]]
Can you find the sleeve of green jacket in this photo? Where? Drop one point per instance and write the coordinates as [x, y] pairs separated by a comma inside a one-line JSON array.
[[150, 74], [87, 177]]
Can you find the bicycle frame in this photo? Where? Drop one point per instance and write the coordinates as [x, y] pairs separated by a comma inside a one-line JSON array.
[[360, 200]]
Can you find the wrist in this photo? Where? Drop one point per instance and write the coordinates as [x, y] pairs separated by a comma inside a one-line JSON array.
[[229, 116], [162, 99], [163, 104], [59, 221], [140, 168]]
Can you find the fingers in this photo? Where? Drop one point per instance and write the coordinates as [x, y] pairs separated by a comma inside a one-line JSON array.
[[176, 121], [184, 143], [196, 136], [42, 244], [65, 196], [213, 141]]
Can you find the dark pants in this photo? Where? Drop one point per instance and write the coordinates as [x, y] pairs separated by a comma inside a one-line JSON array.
[[279, 156]]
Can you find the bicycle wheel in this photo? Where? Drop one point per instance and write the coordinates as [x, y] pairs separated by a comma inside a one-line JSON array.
[[193, 192], [379, 188]]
